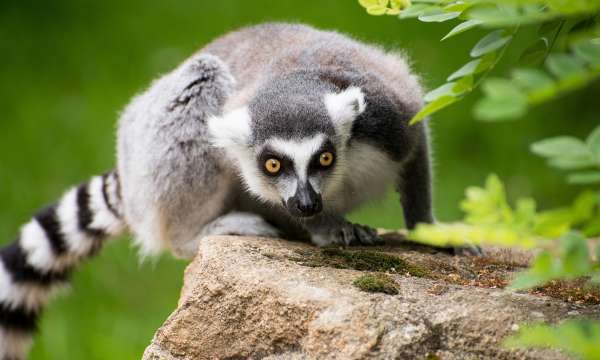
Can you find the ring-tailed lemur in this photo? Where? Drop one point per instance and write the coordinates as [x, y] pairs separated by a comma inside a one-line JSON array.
[[272, 130]]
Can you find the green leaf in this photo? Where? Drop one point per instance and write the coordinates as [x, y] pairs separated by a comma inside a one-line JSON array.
[[587, 177], [572, 162], [592, 229], [504, 101], [368, 3], [553, 223], [469, 68], [459, 234], [487, 205], [564, 65], [541, 271], [549, 27], [502, 88], [559, 146], [439, 16], [583, 25], [579, 337], [464, 85], [376, 10], [443, 90], [433, 107], [491, 42], [588, 51], [538, 84], [583, 206], [459, 6], [453, 89], [593, 143], [525, 212], [416, 10], [535, 53], [575, 256], [498, 109], [462, 27], [400, 4], [507, 14]]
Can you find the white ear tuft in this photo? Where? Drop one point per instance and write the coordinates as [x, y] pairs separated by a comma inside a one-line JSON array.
[[231, 129], [345, 106]]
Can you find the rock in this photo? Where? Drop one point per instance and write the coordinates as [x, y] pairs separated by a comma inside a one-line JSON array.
[[274, 299]]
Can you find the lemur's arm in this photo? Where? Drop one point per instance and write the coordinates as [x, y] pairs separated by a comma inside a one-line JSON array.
[[48, 248], [414, 185]]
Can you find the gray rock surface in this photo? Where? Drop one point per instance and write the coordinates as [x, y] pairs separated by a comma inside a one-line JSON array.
[[272, 299]]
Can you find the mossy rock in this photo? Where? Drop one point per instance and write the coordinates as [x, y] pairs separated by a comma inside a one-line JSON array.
[[377, 283], [362, 260]]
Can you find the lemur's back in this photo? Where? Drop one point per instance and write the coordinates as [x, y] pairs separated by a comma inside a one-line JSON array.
[[279, 48]]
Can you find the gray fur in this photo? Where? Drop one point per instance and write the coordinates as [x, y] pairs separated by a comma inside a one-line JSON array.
[[177, 185]]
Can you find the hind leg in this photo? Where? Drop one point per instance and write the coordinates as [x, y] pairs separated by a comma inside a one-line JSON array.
[[240, 223], [173, 179]]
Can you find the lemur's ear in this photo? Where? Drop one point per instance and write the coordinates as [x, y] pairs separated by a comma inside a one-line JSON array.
[[231, 129], [345, 106]]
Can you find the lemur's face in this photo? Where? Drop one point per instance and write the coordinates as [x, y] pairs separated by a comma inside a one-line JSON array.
[[297, 173], [286, 162]]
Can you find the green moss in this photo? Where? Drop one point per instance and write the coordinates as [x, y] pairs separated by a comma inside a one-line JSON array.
[[362, 260], [377, 283]]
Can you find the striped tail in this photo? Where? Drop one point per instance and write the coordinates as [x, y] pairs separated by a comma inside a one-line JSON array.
[[48, 249]]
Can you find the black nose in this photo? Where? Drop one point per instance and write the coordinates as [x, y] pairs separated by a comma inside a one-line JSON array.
[[305, 202], [309, 208]]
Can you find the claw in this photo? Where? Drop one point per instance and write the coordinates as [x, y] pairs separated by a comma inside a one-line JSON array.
[[366, 235]]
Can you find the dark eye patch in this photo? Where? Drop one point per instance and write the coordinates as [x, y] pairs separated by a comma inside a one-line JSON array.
[[287, 165], [315, 163]]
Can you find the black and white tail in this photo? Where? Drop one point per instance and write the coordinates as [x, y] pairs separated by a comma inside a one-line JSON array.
[[47, 250]]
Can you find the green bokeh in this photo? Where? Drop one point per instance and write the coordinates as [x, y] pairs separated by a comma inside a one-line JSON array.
[[68, 67]]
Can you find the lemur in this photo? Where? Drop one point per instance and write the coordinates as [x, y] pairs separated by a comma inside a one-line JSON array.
[[274, 130]]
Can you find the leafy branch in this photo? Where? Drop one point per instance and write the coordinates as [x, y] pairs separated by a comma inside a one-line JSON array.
[[509, 98]]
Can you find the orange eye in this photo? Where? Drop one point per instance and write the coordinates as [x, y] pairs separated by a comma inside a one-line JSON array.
[[273, 166], [326, 159]]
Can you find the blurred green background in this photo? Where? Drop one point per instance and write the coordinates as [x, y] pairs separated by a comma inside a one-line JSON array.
[[69, 66]]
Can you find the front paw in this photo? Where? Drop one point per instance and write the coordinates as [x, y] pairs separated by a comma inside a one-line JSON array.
[[348, 234]]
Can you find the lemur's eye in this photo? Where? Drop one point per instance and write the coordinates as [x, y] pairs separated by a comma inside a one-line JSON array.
[[273, 166], [326, 159]]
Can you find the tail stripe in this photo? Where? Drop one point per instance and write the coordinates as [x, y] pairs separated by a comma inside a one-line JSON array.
[[37, 246], [14, 294], [106, 184], [15, 262], [49, 222], [85, 215], [18, 318], [104, 206]]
